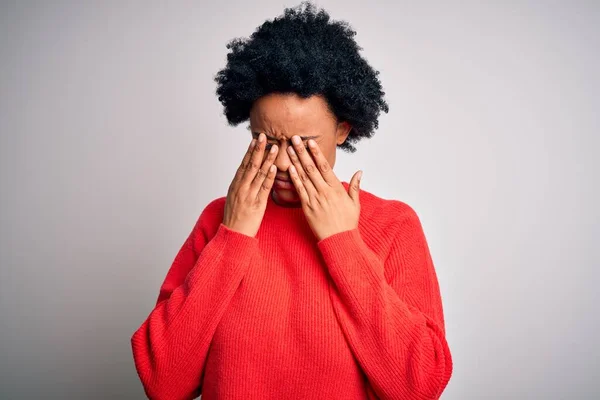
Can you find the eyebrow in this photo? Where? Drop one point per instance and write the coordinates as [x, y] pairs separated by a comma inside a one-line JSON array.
[[255, 134]]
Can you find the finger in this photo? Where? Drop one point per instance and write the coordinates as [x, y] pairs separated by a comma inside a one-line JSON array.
[[354, 187], [307, 163], [253, 165], [307, 184], [322, 164], [242, 168], [299, 184], [267, 184], [264, 170]]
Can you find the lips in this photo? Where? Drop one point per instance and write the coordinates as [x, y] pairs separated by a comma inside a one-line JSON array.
[[283, 184]]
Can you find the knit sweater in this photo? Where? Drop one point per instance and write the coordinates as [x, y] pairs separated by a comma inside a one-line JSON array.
[[282, 315]]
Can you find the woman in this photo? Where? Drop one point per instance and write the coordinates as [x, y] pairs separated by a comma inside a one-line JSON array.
[[297, 285]]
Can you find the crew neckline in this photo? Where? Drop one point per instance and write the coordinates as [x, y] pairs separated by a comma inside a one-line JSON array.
[[277, 210]]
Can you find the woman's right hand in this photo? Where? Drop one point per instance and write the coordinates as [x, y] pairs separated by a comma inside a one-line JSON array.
[[250, 189]]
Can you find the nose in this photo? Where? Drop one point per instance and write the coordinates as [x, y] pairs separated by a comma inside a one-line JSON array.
[[282, 161]]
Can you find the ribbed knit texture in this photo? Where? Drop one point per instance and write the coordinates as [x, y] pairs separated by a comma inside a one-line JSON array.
[[357, 315]]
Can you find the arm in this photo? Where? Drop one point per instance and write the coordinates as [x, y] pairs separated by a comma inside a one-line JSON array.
[[170, 347], [390, 310]]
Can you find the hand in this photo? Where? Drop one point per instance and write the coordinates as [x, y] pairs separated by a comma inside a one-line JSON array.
[[249, 191], [329, 209]]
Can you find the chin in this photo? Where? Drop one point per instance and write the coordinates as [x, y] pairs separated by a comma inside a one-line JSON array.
[[286, 195]]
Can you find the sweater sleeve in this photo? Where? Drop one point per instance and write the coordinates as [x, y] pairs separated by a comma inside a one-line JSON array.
[[391, 311], [170, 347]]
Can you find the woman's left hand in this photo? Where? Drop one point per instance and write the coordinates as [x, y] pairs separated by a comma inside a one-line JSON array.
[[329, 209]]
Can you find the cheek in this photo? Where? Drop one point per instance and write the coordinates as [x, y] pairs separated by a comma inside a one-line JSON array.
[[331, 160], [328, 152]]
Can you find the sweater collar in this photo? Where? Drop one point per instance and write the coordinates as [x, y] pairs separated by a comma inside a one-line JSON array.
[[295, 213]]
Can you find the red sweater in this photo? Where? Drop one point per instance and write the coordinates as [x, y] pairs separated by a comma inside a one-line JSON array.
[[281, 315]]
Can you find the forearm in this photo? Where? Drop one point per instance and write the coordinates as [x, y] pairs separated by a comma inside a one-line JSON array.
[[170, 347], [402, 350]]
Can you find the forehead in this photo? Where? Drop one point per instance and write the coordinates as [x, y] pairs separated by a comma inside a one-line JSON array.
[[290, 114]]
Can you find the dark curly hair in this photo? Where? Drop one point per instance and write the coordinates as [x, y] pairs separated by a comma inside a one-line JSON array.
[[303, 51]]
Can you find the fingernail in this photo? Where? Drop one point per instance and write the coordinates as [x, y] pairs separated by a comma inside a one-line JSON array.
[[295, 140], [360, 175], [261, 137]]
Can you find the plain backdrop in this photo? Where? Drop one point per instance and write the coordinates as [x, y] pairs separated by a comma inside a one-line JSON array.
[[113, 141]]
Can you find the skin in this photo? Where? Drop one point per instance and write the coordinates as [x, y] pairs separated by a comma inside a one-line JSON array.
[[249, 190], [308, 134], [280, 116]]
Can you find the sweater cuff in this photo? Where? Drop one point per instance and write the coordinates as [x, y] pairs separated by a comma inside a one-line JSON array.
[[345, 251], [227, 246], [234, 244], [340, 246]]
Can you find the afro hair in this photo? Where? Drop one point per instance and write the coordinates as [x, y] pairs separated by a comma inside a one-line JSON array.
[[303, 51]]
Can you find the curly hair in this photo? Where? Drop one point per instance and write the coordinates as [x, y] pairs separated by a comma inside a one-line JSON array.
[[303, 51]]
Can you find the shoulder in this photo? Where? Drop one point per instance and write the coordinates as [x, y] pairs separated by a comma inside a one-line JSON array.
[[208, 222], [214, 210], [388, 213], [388, 225]]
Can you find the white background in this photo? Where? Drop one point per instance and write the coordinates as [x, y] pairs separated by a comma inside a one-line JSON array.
[[113, 141]]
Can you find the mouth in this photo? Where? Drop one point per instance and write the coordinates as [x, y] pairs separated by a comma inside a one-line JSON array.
[[286, 184]]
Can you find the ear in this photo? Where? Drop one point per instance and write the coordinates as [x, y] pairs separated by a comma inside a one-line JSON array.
[[343, 130]]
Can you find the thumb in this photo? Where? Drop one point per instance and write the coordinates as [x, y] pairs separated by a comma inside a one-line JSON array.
[[354, 188]]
